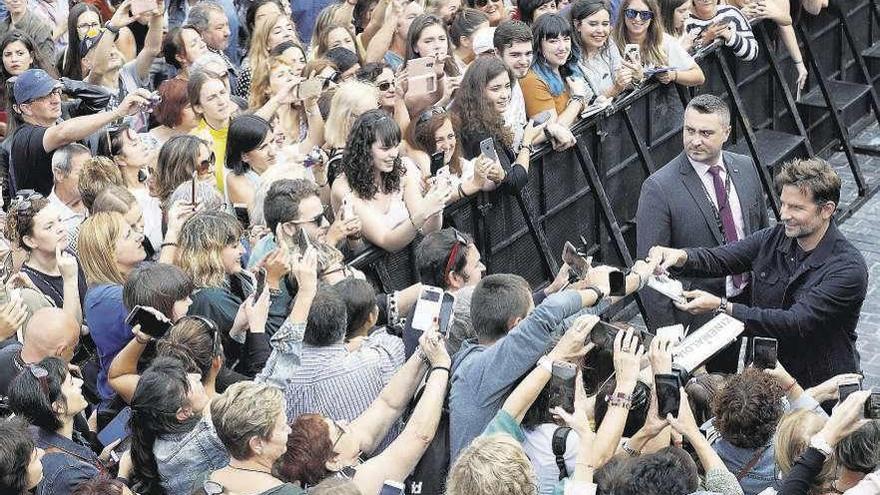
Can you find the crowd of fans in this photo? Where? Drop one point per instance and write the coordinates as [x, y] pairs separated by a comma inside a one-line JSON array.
[[185, 184]]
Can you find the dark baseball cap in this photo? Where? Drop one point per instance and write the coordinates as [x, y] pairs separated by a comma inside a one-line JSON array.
[[32, 84]]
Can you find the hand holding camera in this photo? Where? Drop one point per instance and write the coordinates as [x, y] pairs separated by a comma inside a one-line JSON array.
[[847, 417]]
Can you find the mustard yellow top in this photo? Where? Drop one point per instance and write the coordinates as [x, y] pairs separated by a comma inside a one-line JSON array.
[[218, 140], [538, 97]]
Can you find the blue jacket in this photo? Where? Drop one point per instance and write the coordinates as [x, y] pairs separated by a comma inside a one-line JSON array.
[[67, 463], [483, 376], [811, 307], [105, 312]]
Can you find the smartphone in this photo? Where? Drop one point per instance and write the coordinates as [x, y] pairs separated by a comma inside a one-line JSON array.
[[241, 213], [302, 241], [633, 53], [116, 429], [313, 158], [487, 148], [446, 306], [192, 194], [150, 324], [542, 117], [577, 264], [391, 488], [675, 333], [438, 160], [139, 7], [260, 278], [347, 210], [604, 333], [845, 389], [764, 352], [428, 308], [310, 88], [421, 77], [668, 395], [616, 283], [562, 384], [872, 406]]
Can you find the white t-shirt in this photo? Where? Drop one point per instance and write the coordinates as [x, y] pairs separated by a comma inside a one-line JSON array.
[[538, 445], [515, 115], [676, 55]]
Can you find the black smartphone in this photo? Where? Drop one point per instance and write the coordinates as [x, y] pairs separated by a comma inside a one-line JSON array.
[[577, 263], [438, 159], [241, 213], [150, 324], [302, 240], [764, 352], [445, 319], [845, 389], [604, 333], [192, 194], [487, 148], [872, 406], [616, 283], [562, 385], [668, 394], [117, 428], [260, 277]]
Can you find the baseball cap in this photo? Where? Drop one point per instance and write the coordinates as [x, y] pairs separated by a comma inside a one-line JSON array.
[[32, 84]]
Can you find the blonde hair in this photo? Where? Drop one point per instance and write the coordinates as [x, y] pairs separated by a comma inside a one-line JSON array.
[[258, 53], [352, 98], [492, 465], [260, 86], [246, 410], [97, 247], [200, 244], [792, 439], [652, 52]]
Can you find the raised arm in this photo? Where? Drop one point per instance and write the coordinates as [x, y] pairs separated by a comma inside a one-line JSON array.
[[123, 374], [69, 269], [81, 127], [152, 44]]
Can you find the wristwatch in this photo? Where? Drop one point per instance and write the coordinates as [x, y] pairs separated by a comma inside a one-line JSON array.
[[109, 27], [546, 362], [821, 445], [722, 306], [599, 294]]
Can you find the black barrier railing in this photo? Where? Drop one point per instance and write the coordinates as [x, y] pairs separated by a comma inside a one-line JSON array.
[[591, 190]]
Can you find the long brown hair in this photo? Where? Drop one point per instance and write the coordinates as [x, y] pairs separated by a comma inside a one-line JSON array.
[[422, 131], [652, 48], [472, 113]]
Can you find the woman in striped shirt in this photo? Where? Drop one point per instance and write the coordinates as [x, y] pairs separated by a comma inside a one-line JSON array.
[[709, 21]]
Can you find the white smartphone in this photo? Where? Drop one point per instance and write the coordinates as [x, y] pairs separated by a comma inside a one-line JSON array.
[[391, 488], [427, 308], [633, 53]]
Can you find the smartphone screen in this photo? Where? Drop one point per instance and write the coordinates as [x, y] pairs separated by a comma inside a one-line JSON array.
[[764, 353], [845, 389], [241, 213], [562, 385], [260, 276], [872, 406], [487, 148], [446, 305], [438, 159], [391, 488], [116, 429], [149, 322], [668, 395], [617, 283], [577, 264], [428, 307]]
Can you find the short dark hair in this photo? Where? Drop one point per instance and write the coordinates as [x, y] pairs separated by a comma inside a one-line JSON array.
[[283, 198], [360, 301], [498, 299], [28, 398], [669, 471], [748, 409], [246, 133], [432, 256], [860, 450], [102, 485], [813, 175], [465, 23], [157, 285], [16, 449], [708, 103], [172, 46], [327, 318], [527, 8], [509, 32]]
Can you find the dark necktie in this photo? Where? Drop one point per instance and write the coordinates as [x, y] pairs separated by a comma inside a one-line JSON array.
[[726, 215]]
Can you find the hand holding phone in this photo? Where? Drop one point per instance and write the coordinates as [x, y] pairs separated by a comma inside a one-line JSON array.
[[577, 264], [487, 148], [845, 389], [151, 321], [616, 283], [668, 394], [428, 308], [562, 385], [421, 76], [117, 429], [438, 160], [764, 352]]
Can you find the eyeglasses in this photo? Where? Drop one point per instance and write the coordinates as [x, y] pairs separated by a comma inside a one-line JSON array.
[[24, 199], [41, 374], [206, 165], [427, 114], [644, 15], [319, 220], [54, 92], [342, 431], [384, 86], [460, 240], [89, 25]]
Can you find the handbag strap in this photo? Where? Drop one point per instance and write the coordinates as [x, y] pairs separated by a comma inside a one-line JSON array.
[[558, 444], [751, 464]]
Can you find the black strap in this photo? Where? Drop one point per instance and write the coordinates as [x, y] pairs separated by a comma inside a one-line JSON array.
[[751, 464], [558, 444]]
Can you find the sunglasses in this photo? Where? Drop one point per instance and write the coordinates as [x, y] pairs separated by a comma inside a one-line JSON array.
[[206, 165], [384, 86], [319, 220], [42, 375], [427, 114], [453, 253], [212, 330], [644, 15]]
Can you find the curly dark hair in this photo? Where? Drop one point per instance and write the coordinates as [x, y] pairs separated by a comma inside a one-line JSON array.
[[16, 449], [669, 471], [472, 112], [748, 409], [370, 127], [20, 221]]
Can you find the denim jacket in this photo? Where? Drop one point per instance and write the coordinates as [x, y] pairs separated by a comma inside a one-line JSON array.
[[182, 457], [67, 462], [763, 475]]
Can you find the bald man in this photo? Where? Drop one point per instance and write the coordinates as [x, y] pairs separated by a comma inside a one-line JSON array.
[[49, 332]]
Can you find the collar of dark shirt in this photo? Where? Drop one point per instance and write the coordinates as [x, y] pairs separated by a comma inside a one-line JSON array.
[[822, 251]]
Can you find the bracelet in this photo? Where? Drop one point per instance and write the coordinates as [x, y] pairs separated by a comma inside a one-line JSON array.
[[599, 294], [546, 362], [619, 399], [113, 30], [629, 450], [418, 229], [642, 281], [442, 368], [798, 62], [722, 306], [166, 244]]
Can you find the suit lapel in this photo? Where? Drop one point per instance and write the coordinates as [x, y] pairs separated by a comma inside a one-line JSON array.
[[695, 187], [739, 183]]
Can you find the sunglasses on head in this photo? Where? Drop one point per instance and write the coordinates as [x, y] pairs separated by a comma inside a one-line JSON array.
[[644, 15], [460, 241], [427, 114], [24, 199], [42, 375]]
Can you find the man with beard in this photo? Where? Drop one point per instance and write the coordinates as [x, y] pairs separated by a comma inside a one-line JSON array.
[[808, 281], [105, 66], [704, 197], [513, 45]]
